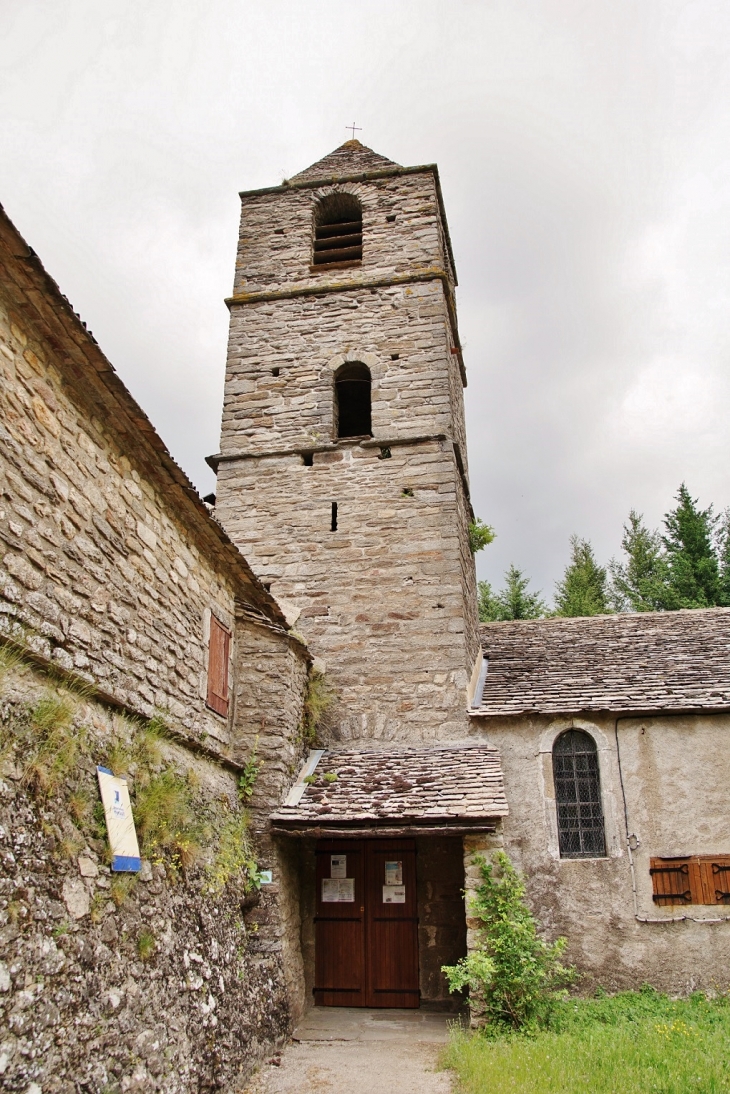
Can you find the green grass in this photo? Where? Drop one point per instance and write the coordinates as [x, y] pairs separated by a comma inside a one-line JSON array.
[[631, 1043]]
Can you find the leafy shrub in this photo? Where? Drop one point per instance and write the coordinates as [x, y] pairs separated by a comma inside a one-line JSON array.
[[480, 535], [247, 778], [515, 974]]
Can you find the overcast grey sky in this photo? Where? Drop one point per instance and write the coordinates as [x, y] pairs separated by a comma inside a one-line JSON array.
[[584, 150]]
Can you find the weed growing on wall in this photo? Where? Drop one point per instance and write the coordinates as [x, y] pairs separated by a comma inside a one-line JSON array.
[[318, 701], [234, 855], [247, 779], [516, 975]]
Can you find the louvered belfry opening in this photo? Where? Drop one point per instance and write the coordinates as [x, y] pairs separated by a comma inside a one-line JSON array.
[[337, 230], [578, 796], [353, 401]]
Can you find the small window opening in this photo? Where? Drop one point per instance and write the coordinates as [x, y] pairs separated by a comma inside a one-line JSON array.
[[275, 371], [578, 796], [385, 454], [407, 492], [333, 523], [390, 218], [278, 231], [337, 230], [352, 401], [308, 459], [395, 356]]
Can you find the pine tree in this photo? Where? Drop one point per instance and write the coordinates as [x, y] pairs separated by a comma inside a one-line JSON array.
[[513, 602], [642, 583], [694, 573], [582, 590], [723, 554]]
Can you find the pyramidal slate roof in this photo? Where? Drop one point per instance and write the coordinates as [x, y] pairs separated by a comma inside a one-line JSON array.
[[650, 661], [441, 785], [351, 158]]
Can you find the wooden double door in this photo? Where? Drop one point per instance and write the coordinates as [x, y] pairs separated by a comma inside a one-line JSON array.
[[366, 924]]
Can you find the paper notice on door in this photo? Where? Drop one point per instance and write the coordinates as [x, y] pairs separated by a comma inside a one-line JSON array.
[[338, 866], [338, 890], [394, 894], [393, 873]]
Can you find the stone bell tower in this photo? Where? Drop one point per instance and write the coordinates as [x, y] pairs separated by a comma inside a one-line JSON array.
[[342, 474]]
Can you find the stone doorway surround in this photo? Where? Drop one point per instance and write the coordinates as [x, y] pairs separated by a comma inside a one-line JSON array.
[[448, 799]]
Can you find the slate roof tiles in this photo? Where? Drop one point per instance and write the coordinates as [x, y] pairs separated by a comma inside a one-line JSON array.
[[446, 784], [649, 661], [351, 158]]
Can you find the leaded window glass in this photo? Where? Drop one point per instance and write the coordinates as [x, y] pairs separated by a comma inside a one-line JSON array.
[[578, 796]]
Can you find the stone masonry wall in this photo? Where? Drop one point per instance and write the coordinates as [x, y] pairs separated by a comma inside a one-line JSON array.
[[308, 337], [109, 570], [81, 1005], [388, 601], [380, 600], [277, 229], [97, 574]]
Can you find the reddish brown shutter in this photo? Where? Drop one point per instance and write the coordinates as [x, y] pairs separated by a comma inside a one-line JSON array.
[[676, 881], [715, 872], [220, 640]]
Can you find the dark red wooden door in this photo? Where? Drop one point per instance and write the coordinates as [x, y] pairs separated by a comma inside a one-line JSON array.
[[366, 924]]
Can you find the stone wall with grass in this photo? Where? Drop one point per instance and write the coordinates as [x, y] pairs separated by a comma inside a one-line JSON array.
[[171, 980]]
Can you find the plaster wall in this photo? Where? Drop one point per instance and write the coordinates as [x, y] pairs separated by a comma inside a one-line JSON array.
[[675, 775]]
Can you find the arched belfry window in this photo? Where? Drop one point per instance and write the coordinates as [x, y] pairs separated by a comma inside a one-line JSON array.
[[352, 401], [578, 796], [337, 230]]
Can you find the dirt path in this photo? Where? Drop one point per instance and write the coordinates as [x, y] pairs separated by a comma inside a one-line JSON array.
[[348, 1051]]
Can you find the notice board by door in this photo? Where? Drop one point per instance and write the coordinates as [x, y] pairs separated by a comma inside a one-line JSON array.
[[366, 924]]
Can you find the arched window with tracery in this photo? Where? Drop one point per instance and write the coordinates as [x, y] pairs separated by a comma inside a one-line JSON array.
[[352, 401], [577, 778], [337, 230]]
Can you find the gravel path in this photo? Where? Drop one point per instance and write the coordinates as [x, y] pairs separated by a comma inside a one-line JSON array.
[[343, 1051]]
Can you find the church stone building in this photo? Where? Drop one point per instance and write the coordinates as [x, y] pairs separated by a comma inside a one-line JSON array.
[[336, 547]]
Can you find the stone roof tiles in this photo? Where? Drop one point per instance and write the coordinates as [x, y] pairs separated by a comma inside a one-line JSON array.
[[650, 661], [456, 784], [351, 158]]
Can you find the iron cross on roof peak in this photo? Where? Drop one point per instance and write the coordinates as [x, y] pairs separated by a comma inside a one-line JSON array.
[[353, 127]]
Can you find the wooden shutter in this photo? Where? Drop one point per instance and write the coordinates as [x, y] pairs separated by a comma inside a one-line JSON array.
[[220, 641], [676, 881], [715, 874]]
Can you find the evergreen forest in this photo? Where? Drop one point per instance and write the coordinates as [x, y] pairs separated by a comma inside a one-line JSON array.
[[684, 564]]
